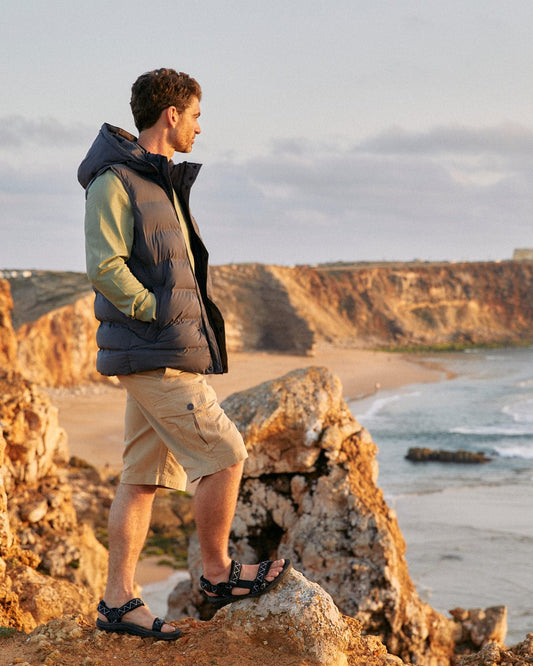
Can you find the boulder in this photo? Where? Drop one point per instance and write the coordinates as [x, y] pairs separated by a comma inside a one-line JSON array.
[[298, 616], [481, 626], [309, 493]]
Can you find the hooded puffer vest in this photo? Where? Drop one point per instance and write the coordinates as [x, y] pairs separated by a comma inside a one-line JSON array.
[[188, 333]]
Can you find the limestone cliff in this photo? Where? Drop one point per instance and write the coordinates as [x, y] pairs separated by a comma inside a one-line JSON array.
[[297, 309], [8, 341], [400, 305], [50, 564], [59, 349]]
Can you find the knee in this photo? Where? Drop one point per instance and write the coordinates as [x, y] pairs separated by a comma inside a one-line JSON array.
[[231, 472], [237, 469], [137, 491]]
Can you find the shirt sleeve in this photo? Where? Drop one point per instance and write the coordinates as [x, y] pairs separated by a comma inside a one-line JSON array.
[[108, 242]]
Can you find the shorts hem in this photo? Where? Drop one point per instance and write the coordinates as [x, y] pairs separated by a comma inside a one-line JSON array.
[[161, 480], [167, 481], [216, 466]]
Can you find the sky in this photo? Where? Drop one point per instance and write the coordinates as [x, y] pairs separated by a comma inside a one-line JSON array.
[[346, 130]]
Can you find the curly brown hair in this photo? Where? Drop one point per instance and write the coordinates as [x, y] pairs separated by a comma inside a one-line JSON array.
[[155, 91]]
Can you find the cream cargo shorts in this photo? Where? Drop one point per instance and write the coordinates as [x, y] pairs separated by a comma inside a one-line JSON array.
[[175, 430]]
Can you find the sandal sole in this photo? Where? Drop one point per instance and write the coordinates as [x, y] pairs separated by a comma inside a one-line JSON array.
[[137, 630]]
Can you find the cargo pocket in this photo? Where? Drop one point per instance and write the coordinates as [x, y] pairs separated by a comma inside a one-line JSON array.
[[193, 414], [207, 421]]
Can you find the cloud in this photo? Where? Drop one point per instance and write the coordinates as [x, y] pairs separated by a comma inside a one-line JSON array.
[[19, 131], [506, 139], [449, 193], [308, 202]]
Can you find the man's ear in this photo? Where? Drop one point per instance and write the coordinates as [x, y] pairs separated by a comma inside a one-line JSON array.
[[172, 116]]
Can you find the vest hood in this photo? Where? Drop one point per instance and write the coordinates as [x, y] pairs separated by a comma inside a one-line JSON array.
[[116, 146]]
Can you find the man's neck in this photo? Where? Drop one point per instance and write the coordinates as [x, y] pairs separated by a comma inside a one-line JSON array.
[[155, 143]]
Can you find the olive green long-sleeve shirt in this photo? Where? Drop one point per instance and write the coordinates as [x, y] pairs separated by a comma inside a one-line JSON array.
[[108, 241]]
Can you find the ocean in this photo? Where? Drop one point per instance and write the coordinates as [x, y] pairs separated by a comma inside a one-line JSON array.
[[468, 527]]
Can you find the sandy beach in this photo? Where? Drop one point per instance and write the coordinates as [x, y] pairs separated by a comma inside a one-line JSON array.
[[92, 416]]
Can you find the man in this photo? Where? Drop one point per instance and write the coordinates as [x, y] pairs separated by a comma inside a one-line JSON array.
[[160, 333]]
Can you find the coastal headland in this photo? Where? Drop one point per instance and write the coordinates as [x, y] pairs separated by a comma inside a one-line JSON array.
[[279, 320]]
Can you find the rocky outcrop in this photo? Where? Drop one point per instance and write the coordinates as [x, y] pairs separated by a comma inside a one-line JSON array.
[[301, 617], [230, 639], [59, 349], [421, 454], [309, 493], [49, 563], [496, 655], [480, 627]]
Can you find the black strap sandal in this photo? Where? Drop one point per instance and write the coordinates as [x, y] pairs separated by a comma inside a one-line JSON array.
[[223, 592], [114, 622]]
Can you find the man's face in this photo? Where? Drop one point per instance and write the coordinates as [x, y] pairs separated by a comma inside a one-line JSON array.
[[187, 128]]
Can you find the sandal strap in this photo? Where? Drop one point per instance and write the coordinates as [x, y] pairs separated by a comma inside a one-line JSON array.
[[225, 589], [235, 572], [259, 582], [116, 614], [158, 624]]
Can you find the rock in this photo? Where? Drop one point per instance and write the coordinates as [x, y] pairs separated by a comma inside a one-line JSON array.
[[417, 454], [33, 512], [481, 626], [309, 493], [73, 641], [493, 654], [34, 442], [40, 598], [6, 534], [297, 616], [38, 522], [8, 340], [59, 349]]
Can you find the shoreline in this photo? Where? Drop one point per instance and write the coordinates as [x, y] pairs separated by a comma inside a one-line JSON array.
[[362, 373]]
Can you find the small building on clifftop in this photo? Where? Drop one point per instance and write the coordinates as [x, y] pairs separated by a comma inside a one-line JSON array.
[[523, 254]]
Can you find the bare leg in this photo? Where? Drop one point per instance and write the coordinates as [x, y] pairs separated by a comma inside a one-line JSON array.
[[129, 520], [215, 500]]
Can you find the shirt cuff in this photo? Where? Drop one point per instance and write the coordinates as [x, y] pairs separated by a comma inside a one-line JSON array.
[[145, 310]]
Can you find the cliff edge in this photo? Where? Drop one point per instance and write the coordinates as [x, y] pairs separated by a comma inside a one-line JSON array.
[[295, 310]]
